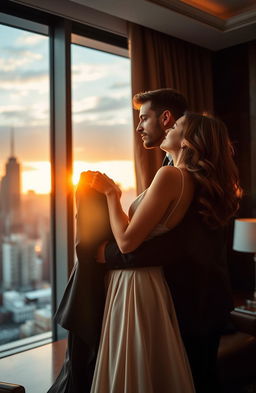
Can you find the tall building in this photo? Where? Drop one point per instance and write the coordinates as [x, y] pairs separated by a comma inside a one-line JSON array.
[[22, 266], [10, 203], [11, 264]]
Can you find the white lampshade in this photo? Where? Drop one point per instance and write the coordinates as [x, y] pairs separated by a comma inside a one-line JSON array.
[[245, 235]]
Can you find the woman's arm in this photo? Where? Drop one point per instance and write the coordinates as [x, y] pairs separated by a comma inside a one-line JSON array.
[[164, 189]]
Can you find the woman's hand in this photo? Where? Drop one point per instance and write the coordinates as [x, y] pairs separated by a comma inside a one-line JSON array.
[[102, 183]]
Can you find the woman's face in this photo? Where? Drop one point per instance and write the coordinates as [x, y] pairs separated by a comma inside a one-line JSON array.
[[173, 138]]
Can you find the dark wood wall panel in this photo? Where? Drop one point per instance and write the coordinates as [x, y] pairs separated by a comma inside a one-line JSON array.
[[234, 95]]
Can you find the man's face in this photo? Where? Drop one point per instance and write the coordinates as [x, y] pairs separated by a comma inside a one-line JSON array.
[[149, 127]]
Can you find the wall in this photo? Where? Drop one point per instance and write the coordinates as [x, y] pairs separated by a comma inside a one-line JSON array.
[[234, 71]]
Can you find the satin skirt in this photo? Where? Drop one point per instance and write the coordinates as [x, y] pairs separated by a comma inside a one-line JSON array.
[[141, 350]]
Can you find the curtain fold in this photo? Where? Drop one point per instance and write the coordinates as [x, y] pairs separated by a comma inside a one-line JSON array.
[[159, 61]]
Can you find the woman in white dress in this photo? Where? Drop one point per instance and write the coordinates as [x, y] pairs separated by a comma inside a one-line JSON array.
[[141, 350]]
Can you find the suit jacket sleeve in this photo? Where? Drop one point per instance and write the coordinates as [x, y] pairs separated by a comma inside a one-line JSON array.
[[153, 252], [182, 242], [82, 305]]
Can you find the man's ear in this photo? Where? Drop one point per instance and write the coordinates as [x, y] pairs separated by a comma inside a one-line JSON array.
[[167, 118]]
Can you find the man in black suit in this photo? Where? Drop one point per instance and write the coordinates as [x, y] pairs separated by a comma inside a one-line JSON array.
[[192, 255]]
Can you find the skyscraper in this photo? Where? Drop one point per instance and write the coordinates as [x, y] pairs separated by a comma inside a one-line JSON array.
[[10, 203], [11, 264]]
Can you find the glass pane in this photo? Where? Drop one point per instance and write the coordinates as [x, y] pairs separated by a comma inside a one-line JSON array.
[[102, 117], [25, 302]]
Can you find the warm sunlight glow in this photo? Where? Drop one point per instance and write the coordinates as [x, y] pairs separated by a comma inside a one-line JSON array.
[[121, 172], [36, 175]]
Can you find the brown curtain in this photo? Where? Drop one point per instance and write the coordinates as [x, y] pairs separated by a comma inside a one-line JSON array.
[[159, 61]]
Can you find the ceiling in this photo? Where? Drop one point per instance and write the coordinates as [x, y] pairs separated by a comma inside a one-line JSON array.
[[214, 24], [222, 8]]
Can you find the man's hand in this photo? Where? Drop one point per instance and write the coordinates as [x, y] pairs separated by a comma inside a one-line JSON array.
[[100, 255], [102, 183]]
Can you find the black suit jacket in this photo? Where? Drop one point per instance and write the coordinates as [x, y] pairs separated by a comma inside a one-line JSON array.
[[81, 308], [194, 262]]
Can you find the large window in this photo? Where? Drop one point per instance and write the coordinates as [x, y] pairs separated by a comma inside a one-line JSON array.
[[36, 236], [25, 300], [102, 116]]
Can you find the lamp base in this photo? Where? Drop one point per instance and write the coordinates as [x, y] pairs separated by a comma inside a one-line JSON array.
[[249, 307]]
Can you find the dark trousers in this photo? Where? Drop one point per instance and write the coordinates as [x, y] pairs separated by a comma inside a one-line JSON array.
[[202, 354], [78, 368]]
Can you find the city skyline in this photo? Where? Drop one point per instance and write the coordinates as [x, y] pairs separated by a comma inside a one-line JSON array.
[[25, 258]]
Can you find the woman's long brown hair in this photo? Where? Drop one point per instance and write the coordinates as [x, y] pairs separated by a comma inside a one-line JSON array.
[[208, 155]]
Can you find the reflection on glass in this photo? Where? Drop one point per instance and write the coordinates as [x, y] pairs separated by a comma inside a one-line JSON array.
[[25, 290], [102, 117]]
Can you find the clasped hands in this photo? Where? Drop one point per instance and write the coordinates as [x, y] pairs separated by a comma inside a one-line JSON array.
[[101, 183]]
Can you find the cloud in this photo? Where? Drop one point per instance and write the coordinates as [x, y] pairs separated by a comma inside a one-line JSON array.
[[84, 72], [9, 114], [32, 114], [29, 39], [103, 111], [11, 110], [24, 76], [88, 72], [120, 85], [78, 106], [95, 143], [25, 81], [104, 104], [21, 57]]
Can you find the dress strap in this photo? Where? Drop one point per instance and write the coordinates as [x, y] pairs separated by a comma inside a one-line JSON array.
[[172, 209]]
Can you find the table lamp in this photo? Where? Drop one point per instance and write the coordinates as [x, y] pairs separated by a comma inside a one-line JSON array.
[[245, 241]]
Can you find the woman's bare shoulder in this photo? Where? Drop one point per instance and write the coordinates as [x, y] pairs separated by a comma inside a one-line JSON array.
[[168, 169], [168, 172], [165, 177]]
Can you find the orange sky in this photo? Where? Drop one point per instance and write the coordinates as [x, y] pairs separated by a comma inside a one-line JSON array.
[[36, 175]]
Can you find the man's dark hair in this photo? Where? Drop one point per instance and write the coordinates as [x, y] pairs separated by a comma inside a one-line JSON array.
[[161, 100]]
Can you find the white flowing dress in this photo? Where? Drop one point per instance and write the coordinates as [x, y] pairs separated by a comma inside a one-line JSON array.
[[141, 350]]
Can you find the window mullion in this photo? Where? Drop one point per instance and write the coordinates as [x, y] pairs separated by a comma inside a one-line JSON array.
[[61, 155]]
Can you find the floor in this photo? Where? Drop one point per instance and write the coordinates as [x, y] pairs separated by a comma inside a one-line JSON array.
[[37, 368]]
